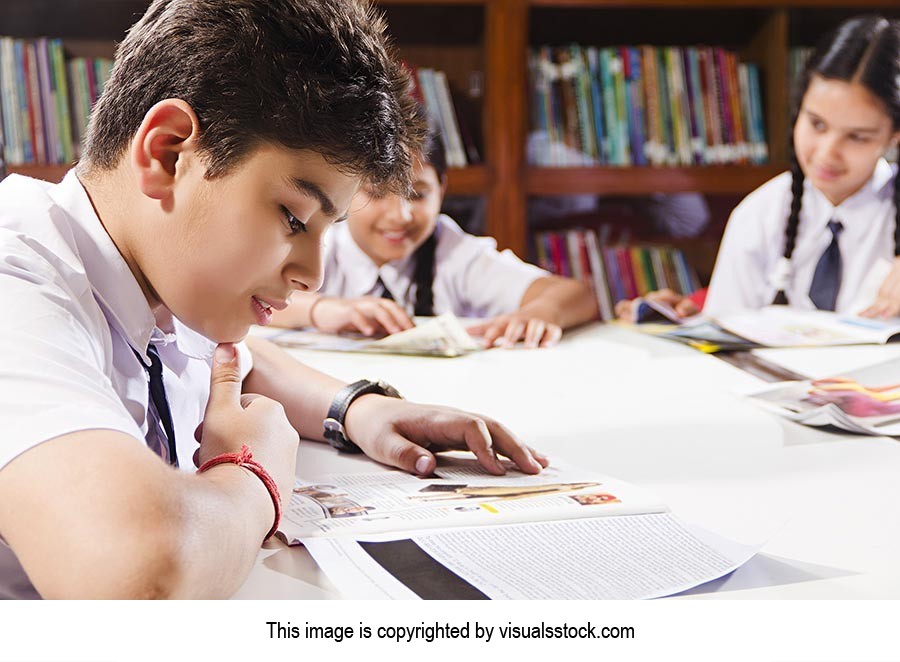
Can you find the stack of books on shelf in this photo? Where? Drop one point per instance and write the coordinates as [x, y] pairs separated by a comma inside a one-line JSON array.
[[797, 59], [614, 271], [644, 105], [431, 89], [45, 100]]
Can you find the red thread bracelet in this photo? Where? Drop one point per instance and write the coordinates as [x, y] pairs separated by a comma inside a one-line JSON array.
[[245, 459]]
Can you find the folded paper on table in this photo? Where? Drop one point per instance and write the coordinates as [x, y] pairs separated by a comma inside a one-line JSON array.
[[442, 336]]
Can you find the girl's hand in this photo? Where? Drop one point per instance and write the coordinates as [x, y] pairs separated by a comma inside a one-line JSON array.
[[681, 304], [536, 331], [887, 303], [405, 435], [367, 315]]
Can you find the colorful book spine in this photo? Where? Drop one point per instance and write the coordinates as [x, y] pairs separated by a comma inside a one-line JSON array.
[[593, 63], [599, 276]]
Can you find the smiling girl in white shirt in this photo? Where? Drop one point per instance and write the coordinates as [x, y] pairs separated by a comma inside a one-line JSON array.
[[397, 256], [839, 196]]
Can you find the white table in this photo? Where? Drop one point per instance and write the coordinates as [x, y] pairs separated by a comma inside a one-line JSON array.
[[667, 418]]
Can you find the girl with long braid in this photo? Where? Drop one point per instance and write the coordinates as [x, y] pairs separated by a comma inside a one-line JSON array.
[[396, 257], [813, 237]]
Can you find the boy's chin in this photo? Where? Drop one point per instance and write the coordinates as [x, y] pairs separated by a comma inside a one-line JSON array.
[[222, 332]]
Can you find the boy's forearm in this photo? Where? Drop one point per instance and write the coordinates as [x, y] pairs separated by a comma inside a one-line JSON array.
[[563, 301], [305, 393], [299, 313], [144, 531]]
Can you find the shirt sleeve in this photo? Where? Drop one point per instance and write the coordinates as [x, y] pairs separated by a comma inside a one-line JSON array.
[[53, 379], [483, 282], [740, 279]]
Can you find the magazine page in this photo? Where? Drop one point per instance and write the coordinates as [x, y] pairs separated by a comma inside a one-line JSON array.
[[866, 401], [782, 326], [707, 336], [442, 336], [459, 494], [628, 557]]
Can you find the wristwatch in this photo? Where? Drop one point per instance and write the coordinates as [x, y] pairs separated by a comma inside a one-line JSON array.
[[334, 422]]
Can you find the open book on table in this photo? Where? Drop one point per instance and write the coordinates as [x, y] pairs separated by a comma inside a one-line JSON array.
[[442, 336], [566, 533], [866, 401], [779, 326]]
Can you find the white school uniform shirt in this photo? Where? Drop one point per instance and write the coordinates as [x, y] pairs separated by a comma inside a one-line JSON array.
[[754, 241], [70, 313], [471, 279]]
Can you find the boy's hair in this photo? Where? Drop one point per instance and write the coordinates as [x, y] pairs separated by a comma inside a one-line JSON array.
[[303, 74], [864, 50]]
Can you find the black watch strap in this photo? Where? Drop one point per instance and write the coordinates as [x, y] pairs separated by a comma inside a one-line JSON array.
[[334, 423]]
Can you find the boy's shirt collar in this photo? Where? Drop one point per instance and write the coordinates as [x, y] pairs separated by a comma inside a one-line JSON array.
[[113, 283]]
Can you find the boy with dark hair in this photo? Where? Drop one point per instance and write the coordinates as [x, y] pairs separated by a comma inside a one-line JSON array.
[[230, 136]]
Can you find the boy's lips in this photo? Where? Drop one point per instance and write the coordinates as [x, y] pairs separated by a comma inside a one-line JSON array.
[[262, 308]]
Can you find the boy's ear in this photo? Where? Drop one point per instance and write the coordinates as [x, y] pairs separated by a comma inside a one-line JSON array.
[[168, 133]]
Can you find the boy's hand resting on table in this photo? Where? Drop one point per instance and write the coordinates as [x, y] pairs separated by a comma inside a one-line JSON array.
[[403, 434], [233, 419], [681, 304], [535, 331], [887, 302], [367, 315]]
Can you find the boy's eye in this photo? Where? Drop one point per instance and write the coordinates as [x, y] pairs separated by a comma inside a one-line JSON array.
[[293, 223], [417, 195]]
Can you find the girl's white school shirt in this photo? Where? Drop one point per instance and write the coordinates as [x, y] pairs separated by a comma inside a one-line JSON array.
[[472, 278], [70, 313], [754, 240]]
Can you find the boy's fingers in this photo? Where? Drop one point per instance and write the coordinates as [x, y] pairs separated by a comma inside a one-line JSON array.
[[248, 398], [225, 382], [397, 451], [506, 443]]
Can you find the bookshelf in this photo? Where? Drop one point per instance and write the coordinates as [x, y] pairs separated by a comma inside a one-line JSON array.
[[491, 38]]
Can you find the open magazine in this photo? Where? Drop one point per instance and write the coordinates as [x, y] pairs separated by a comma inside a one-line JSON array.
[[777, 326], [442, 336], [866, 401], [455, 535]]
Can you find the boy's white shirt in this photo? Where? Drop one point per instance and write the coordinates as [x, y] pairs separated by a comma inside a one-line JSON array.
[[71, 311], [472, 278], [754, 242]]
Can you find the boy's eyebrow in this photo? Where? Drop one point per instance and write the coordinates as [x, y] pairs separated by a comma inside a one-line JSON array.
[[312, 189]]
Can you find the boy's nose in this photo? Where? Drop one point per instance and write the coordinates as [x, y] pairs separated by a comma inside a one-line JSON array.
[[305, 272]]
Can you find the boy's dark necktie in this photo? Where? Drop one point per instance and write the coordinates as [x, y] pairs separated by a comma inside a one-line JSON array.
[[160, 441], [826, 280], [385, 292]]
